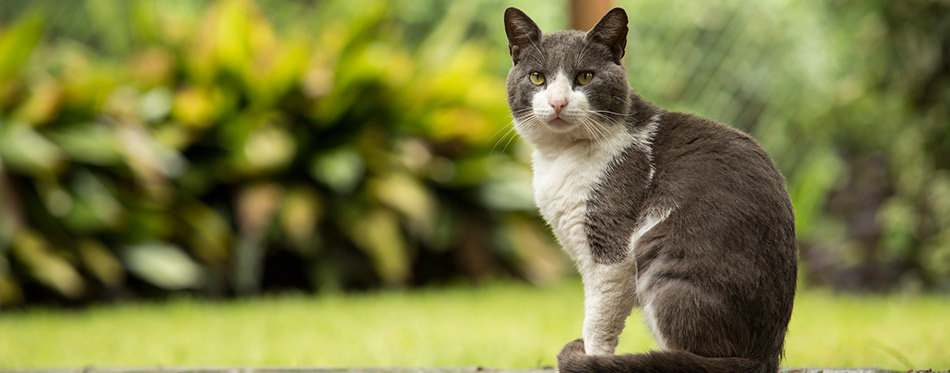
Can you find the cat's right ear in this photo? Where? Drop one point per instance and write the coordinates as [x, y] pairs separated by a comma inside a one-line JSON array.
[[611, 30], [522, 32]]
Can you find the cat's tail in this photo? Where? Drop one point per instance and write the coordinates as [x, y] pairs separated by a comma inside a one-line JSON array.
[[572, 359]]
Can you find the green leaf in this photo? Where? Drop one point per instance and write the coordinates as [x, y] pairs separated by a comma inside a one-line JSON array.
[[301, 210], [156, 104], [340, 169], [378, 235], [101, 263], [404, 193], [95, 204], [25, 150], [207, 232], [267, 149], [163, 265], [16, 45], [91, 142], [46, 267]]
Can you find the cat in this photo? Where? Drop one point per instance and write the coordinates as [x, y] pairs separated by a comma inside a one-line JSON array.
[[680, 215]]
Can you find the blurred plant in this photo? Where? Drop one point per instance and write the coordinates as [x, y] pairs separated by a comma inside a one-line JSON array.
[[850, 98], [228, 149], [201, 149]]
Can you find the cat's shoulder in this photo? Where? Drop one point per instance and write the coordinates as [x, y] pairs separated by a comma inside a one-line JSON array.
[[688, 126], [677, 130]]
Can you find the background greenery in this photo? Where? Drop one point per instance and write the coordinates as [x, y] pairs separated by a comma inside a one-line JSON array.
[[231, 147]]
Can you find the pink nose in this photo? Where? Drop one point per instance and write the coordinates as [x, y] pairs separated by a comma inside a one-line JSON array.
[[558, 104]]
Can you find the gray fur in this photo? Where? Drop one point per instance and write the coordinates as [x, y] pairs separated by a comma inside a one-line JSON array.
[[618, 202], [572, 51]]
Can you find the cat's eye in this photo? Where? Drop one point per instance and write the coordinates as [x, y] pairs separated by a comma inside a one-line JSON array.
[[584, 78], [536, 78]]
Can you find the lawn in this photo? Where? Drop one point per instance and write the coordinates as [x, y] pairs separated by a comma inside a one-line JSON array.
[[501, 325]]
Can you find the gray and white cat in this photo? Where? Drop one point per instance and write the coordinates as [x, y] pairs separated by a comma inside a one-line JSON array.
[[680, 215]]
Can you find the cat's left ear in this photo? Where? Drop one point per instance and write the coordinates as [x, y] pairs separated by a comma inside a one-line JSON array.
[[522, 32], [611, 31]]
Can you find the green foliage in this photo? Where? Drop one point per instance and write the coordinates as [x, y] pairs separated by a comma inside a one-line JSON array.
[[234, 146], [202, 148]]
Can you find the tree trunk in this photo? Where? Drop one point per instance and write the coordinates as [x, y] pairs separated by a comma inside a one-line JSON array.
[[586, 13]]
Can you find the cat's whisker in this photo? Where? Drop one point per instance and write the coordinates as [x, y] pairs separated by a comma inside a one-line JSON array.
[[538, 60], [510, 124], [608, 112], [580, 55], [606, 116], [502, 138], [598, 133], [538, 49], [509, 142], [584, 123], [522, 111], [601, 130]]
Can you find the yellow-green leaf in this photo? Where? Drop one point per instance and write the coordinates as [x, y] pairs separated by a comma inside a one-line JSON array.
[[46, 267], [378, 235]]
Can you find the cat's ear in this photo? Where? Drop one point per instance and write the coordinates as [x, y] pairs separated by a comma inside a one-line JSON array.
[[611, 31], [522, 32]]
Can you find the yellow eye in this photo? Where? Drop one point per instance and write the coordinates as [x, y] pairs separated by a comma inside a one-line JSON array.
[[536, 78], [584, 78]]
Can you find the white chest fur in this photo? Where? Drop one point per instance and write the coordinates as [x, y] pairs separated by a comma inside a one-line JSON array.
[[564, 179], [563, 182], [566, 174]]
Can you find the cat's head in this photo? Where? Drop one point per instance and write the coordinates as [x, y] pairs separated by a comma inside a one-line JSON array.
[[567, 85]]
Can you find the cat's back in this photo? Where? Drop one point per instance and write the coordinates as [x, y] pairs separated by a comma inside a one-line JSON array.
[[729, 199], [699, 157]]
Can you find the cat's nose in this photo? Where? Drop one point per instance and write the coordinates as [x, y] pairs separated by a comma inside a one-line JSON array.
[[557, 103]]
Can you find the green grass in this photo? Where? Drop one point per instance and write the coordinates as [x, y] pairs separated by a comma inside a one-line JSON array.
[[499, 325]]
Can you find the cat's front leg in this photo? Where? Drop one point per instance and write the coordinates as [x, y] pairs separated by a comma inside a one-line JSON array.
[[609, 296]]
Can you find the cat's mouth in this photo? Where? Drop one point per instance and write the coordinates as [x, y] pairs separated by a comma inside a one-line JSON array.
[[559, 124]]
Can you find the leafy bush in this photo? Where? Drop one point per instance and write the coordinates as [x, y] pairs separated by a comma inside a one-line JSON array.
[[228, 149], [206, 150]]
